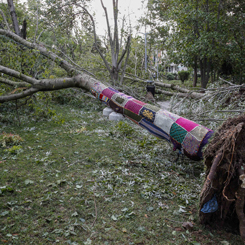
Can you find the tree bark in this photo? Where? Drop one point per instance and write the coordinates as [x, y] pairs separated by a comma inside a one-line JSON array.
[[14, 17], [205, 71], [195, 73]]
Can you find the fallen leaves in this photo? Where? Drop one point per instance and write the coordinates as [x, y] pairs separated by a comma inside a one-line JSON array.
[[188, 226], [29, 182]]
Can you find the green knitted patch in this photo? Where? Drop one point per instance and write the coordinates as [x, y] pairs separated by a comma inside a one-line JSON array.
[[132, 115], [120, 100], [177, 133], [152, 107]]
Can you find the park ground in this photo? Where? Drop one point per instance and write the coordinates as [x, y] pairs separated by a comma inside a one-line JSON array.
[[78, 178]]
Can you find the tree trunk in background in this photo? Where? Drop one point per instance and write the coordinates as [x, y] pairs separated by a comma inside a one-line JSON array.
[[14, 17], [195, 74], [205, 72]]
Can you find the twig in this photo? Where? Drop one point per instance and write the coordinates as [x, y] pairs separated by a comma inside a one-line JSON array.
[[40, 34], [223, 80], [82, 69]]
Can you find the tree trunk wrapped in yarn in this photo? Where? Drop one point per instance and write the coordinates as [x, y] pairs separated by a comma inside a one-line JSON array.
[[185, 135]]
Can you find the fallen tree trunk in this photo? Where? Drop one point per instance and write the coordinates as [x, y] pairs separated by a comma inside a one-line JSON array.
[[185, 135], [174, 94], [184, 91], [188, 92], [222, 196]]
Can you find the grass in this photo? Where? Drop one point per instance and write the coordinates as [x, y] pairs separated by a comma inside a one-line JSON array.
[[78, 178]]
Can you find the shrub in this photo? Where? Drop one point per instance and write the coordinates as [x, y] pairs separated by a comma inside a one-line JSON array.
[[170, 76], [183, 75], [9, 139]]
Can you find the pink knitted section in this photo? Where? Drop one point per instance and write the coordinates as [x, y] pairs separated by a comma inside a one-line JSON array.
[[186, 124], [133, 106], [108, 92], [138, 102]]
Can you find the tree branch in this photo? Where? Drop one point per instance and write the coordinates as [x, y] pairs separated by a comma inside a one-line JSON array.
[[124, 52], [12, 83], [95, 39], [50, 55], [184, 90], [5, 20], [223, 80], [23, 94], [107, 22], [17, 74], [116, 40], [126, 61], [112, 41]]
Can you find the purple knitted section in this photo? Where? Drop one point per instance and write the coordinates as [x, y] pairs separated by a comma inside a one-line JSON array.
[[204, 142], [125, 95]]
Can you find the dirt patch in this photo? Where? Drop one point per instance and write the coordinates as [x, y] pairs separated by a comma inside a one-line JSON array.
[[223, 191]]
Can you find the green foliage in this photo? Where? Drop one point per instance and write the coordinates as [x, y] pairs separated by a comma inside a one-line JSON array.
[[183, 75], [201, 34], [8, 139], [123, 128], [68, 96], [170, 76], [146, 142], [16, 149]]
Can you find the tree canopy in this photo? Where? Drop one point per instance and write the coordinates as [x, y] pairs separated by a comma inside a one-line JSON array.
[[202, 34]]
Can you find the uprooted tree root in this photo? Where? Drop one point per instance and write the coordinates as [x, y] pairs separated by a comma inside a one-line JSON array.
[[225, 177]]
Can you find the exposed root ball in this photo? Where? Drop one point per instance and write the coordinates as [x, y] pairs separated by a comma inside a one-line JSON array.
[[225, 178]]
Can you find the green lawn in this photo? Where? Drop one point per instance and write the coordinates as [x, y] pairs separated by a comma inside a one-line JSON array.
[[78, 178]]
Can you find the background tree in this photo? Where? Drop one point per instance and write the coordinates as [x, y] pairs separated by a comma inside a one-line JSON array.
[[200, 34], [56, 47], [117, 54]]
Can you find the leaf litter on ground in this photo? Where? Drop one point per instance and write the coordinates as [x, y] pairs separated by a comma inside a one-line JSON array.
[[86, 181]]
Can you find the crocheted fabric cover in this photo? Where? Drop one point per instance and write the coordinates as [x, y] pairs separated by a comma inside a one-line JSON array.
[[186, 135]]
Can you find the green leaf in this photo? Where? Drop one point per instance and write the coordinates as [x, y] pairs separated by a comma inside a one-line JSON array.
[[4, 213], [88, 242], [74, 214], [28, 182], [60, 182], [141, 228], [113, 217], [150, 209]]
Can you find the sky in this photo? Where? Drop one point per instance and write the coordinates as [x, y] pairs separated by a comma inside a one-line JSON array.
[[132, 9]]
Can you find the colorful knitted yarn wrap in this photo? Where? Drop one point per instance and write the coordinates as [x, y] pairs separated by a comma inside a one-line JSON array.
[[185, 135]]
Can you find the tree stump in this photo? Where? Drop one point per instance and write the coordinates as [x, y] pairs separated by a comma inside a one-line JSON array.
[[149, 97], [222, 195]]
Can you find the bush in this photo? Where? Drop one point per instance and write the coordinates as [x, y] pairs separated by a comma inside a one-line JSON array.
[[183, 75], [9, 139], [170, 76]]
